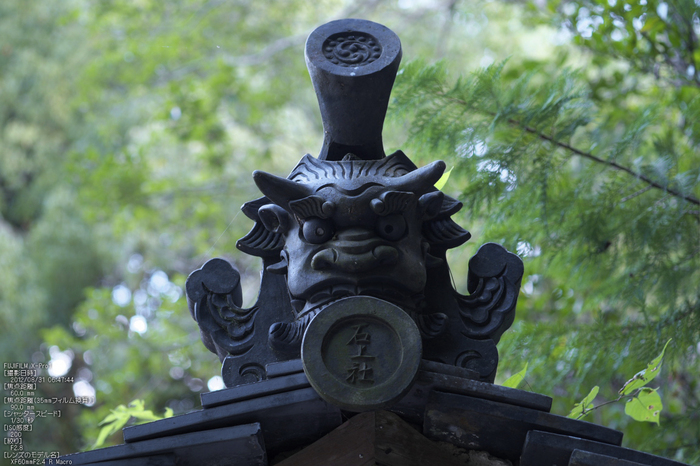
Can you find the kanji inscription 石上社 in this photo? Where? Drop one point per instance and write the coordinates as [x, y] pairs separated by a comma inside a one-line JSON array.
[[361, 368]]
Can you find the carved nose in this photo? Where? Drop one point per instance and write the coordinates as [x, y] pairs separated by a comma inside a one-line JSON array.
[[324, 259], [386, 255], [332, 259]]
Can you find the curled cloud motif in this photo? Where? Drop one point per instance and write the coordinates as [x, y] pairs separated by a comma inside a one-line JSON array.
[[352, 49]]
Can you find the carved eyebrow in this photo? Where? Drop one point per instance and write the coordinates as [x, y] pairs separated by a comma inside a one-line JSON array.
[[349, 192], [393, 201], [312, 206]]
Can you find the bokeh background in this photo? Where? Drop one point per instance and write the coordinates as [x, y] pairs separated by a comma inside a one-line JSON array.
[[129, 131]]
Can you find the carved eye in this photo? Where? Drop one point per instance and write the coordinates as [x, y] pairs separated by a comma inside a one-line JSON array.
[[317, 230], [391, 227]]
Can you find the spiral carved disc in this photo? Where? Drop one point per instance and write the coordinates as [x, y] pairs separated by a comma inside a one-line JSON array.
[[352, 49]]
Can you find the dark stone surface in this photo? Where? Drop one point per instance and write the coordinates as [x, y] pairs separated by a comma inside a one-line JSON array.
[[237, 445], [289, 375], [260, 389], [238, 336], [361, 353], [287, 419], [586, 458], [474, 323], [353, 64], [548, 449], [448, 369], [443, 377], [279, 369], [412, 406], [499, 428]]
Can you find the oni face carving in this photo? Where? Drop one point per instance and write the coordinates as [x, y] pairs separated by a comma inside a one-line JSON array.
[[351, 227], [349, 236], [354, 222]]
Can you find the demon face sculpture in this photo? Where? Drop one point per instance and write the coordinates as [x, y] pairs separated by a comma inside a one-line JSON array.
[[354, 227], [354, 222], [336, 229]]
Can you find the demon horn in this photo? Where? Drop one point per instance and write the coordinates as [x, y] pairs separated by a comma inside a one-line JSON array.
[[420, 180], [279, 190]]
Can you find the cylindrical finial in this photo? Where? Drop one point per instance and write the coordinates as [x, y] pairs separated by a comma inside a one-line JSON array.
[[353, 64]]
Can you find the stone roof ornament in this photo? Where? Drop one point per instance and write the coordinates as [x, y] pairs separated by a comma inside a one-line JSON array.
[[355, 241], [357, 313], [353, 64]]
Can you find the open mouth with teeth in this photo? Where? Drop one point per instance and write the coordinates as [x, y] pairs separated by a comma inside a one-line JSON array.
[[287, 336], [389, 292]]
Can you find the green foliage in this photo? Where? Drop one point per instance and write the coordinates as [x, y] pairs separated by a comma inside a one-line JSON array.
[[585, 405], [128, 131], [644, 403], [514, 380], [121, 415], [643, 377], [586, 163], [146, 348], [646, 406]]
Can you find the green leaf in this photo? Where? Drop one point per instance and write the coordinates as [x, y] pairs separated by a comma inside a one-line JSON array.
[[645, 407], [644, 376], [580, 409], [119, 417], [443, 179], [514, 380], [110, 418], [115, 425], [137, 405], [101, 437]]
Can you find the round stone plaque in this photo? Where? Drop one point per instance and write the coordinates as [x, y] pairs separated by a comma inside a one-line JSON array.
[[352, 47], [361, 353]]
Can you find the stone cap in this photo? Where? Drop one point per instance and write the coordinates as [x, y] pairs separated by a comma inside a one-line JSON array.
[[353, 64]]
